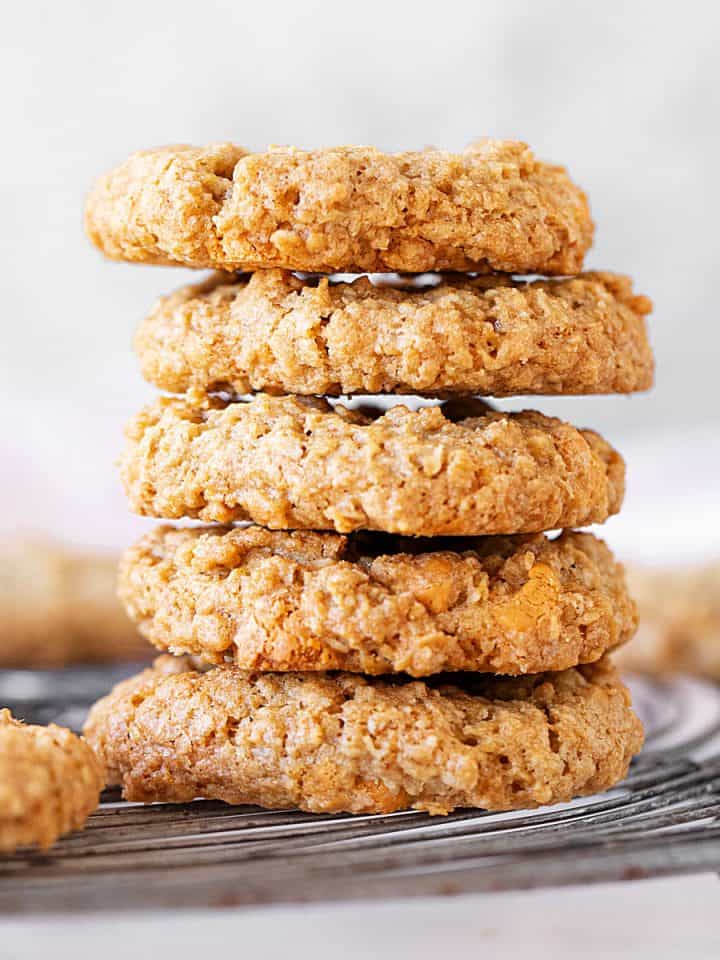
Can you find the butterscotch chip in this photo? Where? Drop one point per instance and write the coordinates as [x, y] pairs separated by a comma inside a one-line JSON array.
[[50, 782], [491, 207], [58, 606], [377, 604], [271, 332], [342, 742], [680, 621], [285, 463]]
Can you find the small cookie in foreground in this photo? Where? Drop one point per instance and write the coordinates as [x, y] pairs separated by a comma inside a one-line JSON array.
[[377, 604], [58, 606], [342, 742], [679, 621], [492, 336], [354, 209], [50, 782], [294, 463]]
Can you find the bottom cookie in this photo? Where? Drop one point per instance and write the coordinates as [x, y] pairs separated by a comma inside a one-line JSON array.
[[50, 783], [341, 742]]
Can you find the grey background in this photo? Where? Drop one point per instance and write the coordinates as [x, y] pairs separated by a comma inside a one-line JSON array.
[[626, 94]]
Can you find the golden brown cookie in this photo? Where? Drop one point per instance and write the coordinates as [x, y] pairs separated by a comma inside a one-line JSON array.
[[377, 604], [58, 606], [491, 207], [286, 463], [342, 742], [679, 621], [50, 782], [272, 332]]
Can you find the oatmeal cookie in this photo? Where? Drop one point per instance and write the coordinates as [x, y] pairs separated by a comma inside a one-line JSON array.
[[679, 621], [494, 336], [491, 207], [50, 782], [58, 606], [288, 462], [373, 603], [342, 742]]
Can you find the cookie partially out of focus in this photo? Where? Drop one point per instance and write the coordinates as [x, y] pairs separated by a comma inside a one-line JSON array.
[[50, 782], [679, 621], [59, 607]]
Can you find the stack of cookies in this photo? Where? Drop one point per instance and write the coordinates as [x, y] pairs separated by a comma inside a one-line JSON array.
[[382, 622]]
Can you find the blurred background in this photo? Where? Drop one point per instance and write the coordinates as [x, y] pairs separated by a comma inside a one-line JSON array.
[[627, 95]]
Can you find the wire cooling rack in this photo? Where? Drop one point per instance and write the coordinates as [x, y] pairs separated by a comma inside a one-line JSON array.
[[663, 819]]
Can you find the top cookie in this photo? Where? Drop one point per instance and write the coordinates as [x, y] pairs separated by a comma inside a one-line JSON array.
[[491, 207]]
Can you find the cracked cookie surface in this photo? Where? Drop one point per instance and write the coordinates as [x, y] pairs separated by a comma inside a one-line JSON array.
[[493, 336], [377, 604], [293, 463], [341, 742], [493, 206]]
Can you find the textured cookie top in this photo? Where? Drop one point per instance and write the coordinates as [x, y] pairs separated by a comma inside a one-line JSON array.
[[289, 463], [491, 207], [377, 604], [50, 782], [59, 607], [273, 332], [333, 742]]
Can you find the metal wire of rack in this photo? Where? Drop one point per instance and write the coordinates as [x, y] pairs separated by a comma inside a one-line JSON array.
[[663, 819]]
